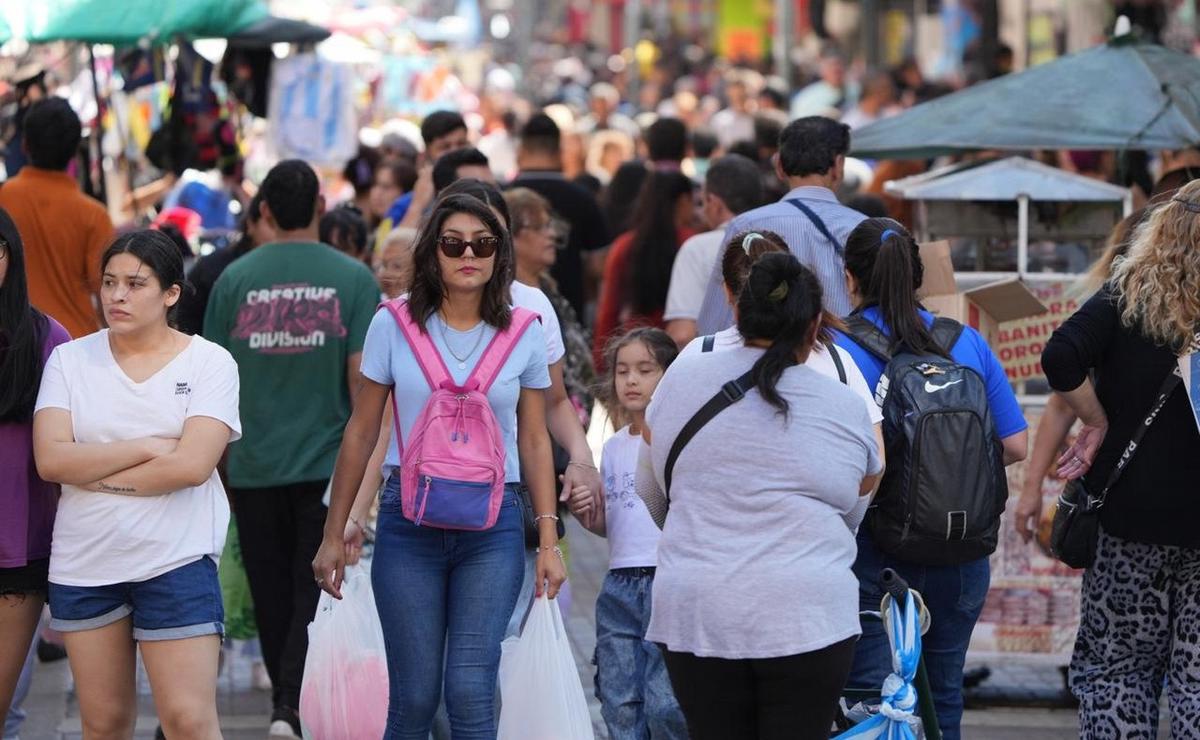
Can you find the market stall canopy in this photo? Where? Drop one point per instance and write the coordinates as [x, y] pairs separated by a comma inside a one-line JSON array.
[[275, 30], [1005, 179], [1120, 95], [125, 22]]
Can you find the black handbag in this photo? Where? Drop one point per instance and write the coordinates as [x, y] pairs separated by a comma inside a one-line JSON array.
[[1076, 525]]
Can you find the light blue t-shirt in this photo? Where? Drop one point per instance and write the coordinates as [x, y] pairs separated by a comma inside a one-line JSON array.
[[387, 359]]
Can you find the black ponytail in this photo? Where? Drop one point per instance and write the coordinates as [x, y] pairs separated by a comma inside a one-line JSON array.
[[780, 302], [885, 261]]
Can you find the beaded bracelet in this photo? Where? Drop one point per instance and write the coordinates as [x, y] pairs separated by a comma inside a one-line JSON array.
[[540, 517], [556, 549]]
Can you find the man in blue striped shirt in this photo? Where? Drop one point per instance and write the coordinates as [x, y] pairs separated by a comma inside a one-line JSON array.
[[810, 219]]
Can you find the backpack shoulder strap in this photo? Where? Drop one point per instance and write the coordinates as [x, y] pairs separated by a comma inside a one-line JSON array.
[[428, 358], [946, 332], [832, 349], [499, 350], [868, 336], [730, 393], [707, 344], [817, 222]]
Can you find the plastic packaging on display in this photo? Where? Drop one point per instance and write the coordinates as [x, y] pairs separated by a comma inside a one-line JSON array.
[[345, 689], [540, 692]]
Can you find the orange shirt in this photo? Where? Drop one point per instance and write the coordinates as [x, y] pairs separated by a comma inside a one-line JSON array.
[[65, 234]]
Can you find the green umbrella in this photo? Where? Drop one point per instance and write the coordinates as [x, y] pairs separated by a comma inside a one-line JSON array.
[[5, 32], [1120, 95], [125, 22]]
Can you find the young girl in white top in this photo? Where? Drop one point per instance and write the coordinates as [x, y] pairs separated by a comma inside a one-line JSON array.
[[635, 693], [132, 421]]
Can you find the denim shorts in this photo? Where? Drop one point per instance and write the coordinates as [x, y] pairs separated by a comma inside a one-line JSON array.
[[181, 603]]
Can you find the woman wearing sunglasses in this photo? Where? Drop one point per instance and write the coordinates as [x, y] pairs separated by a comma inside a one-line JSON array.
[[445, 595]]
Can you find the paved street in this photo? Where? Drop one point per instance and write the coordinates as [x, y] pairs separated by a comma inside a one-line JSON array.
[[244, 711], [53, 715]]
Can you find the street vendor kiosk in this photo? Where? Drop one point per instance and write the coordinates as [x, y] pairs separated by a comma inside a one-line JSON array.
[[1004, 242]]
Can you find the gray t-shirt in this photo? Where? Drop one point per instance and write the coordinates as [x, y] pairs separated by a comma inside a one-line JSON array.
[[755, 558]]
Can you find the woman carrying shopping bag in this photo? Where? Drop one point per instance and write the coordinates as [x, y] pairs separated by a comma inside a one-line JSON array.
[[449, 547]]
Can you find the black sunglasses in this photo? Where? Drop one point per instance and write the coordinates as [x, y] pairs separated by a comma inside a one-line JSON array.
[[483, 247]]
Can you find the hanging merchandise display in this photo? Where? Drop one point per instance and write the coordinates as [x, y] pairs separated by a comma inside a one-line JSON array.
[[311, 110], [246, 72]]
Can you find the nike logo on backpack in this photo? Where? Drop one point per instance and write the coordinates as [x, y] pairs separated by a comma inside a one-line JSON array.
[[931, 388]]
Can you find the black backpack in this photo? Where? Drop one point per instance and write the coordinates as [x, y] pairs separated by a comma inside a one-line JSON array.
[[945, 488]]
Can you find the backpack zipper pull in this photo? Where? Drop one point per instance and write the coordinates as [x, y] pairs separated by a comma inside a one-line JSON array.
[[424, 500], [460, 420]]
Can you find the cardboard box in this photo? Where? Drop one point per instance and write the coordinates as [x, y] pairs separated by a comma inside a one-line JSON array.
[[983, 308]]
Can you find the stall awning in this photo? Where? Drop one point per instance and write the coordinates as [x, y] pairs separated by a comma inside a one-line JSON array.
[[125, 22], [1004, 179], [1120, 95]]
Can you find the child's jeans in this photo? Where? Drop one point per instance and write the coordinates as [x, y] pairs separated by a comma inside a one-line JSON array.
[[631, 679]]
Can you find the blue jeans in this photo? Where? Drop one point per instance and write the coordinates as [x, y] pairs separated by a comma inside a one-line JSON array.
[[954, 595], [636, 699], [444, 595]]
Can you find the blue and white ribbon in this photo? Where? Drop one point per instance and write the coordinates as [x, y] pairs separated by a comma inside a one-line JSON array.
[[899, 696]]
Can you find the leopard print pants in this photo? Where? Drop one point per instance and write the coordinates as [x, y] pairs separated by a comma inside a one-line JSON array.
[[1140, 621]]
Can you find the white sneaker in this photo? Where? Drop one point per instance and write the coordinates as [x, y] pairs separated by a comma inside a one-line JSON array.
[[259, 678], [281, 729], [285, 723]]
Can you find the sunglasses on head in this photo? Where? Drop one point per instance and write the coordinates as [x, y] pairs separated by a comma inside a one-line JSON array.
[[483, 247]]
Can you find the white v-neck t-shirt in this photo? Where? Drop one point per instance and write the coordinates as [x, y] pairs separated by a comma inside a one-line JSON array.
[[102, 538]]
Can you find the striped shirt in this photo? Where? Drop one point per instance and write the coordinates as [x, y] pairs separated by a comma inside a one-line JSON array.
[[805, 240]]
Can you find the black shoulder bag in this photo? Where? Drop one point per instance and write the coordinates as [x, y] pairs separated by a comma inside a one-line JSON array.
[[730, 393], [1077, 515]]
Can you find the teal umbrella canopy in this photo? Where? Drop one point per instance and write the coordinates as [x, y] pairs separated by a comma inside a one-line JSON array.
[[1120, 95], [126, 22]]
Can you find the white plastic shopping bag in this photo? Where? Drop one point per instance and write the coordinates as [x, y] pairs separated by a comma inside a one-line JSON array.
[[345, 690], [540, 693]]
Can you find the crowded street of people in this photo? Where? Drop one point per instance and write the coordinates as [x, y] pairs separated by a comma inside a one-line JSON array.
[[584, 369]]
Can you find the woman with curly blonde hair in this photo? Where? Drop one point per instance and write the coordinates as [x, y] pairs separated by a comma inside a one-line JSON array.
[[1111, 361]]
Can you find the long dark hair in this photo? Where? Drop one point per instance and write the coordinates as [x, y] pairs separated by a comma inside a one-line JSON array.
[[484, 192], [428, 290], [156, 251], [885, 261], [655, 241], [621, 195], [779, 303], [743, 250], [23, 331]]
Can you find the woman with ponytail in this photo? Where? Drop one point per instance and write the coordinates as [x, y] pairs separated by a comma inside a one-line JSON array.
[[883, 274], [754, 603]]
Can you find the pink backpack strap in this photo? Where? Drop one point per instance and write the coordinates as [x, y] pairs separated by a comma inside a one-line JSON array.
[[428, 358], [499, 350]]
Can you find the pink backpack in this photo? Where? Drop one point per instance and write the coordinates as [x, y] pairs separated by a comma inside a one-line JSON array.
[[452, 469]]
